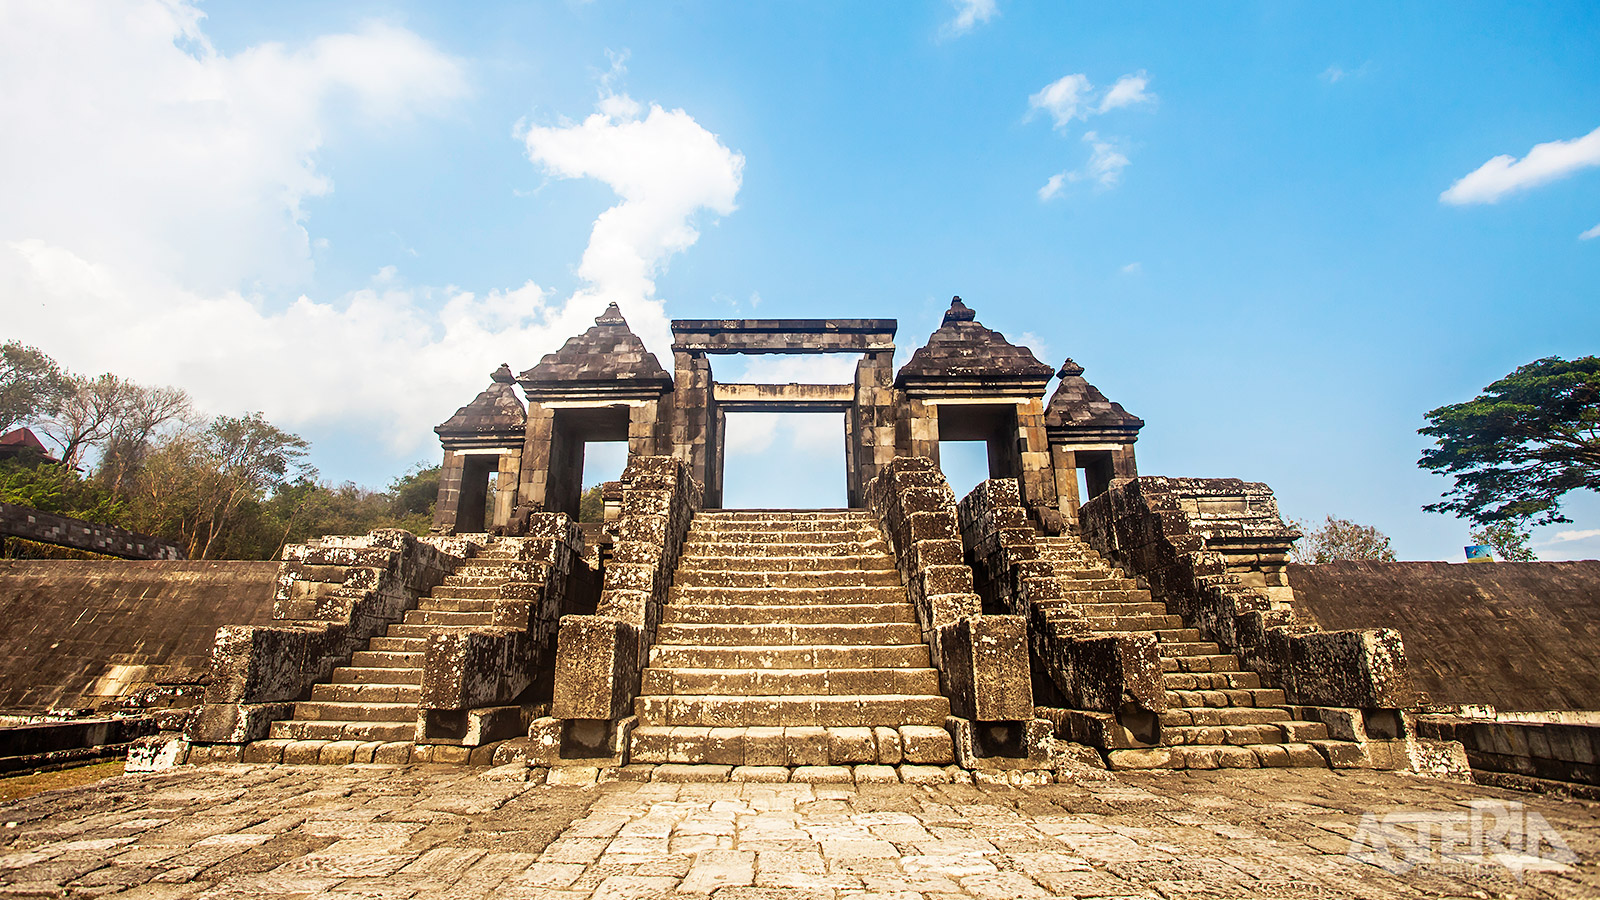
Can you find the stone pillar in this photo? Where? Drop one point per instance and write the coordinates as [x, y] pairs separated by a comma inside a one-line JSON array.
[[870, 424], [1065, 465], [917, 429], [693, 427], [444, 507], [1034, 475], [536, 450], [505, 500]]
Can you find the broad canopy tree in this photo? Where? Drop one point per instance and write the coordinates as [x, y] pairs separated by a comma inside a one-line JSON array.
[[1516, 449]]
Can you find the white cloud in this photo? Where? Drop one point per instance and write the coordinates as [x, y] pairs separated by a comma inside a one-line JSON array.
[[1505, 174], [969, 15], [665, 168], [1133, 268], [148, 150], [1562, 537], [1337, 73], [1072, 97], [1104, 168], [1106, 162], [1062, 98], [1129, 90], [1591, 234], [158, 198], [1033, 342]]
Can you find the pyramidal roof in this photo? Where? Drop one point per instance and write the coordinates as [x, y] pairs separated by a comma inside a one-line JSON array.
[[963, 353], [608, 358], [1078, 408], [495, 413]]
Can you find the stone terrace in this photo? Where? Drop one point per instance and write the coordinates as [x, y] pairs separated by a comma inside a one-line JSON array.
[[445, 832]]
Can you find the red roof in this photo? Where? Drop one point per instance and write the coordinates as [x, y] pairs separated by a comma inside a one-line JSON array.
[[14, 442]]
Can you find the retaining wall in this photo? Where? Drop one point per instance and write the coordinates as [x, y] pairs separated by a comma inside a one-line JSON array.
[[81, 633]]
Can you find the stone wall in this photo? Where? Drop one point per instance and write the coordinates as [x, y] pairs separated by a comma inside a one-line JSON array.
[[101, 633], [982, 659], [599, 658], [1518, 636], [1101, 673], [331, 596], [1158, 528], [48, 528], [1545, 751]]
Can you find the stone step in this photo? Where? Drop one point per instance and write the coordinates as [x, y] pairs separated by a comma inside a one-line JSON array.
[[790, 681], [458, 619], [787, 596], [395, 644], [330, 730], [1208, 681], [788, 635], [838, 578], [1134, 623], [480, 578], [1101, 610], [793, 746], [697, 549], [436, 604], [875, 562], [334, 711], [415, 630], [1177, 649], [1241, 735], [375, 675], [1254, 756], [1178, 635], [773, 536], [786, 517], [804, 657], [1203, 662], [1226, 715], [466, 592], [711, 710], [768, 614], [1100, 583], [337, 692], [1259, 697], [387, 659]]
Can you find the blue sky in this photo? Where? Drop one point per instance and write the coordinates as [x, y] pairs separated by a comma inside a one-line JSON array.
[[1252, 224]]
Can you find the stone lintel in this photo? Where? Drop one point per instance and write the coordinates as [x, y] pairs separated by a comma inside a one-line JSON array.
[[782, 335], [784, 397]]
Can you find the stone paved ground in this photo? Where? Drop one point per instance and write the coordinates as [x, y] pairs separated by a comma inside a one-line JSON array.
[[383, 832]]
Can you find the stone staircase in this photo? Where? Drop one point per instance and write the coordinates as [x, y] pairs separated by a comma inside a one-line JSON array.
[[373, 700], [1218, 715], [788, 641]]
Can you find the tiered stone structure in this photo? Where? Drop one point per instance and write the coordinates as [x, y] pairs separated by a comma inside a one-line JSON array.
[[1148, 622]]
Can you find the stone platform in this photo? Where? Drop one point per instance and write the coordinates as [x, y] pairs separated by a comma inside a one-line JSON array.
[[368, 831]]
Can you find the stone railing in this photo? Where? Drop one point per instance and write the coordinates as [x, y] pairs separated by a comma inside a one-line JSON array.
[[332, 596], [1157, 528], [47, 528], [599, 658], [471, 677], [982, 659], [1116, 674]]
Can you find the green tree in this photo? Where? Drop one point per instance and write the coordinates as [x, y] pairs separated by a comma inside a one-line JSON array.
[[1510, 543], [1341, 539], [56, 489], [592, 505], [1516, 449], [31, 385]]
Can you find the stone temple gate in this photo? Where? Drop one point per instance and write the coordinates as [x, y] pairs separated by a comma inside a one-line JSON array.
[[1067, 609], [968, 383]]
